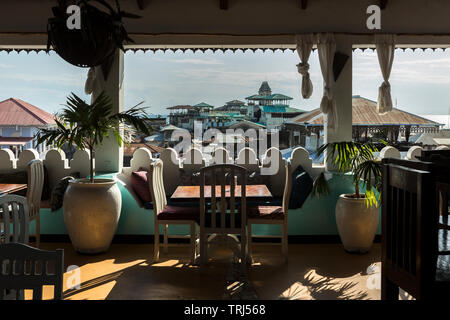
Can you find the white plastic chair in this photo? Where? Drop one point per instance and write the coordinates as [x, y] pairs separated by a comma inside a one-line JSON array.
[[14, 215], [34, 194]]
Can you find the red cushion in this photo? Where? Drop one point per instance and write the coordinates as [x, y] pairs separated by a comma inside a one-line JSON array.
[[266, 212], [139, 183], [179, 213]]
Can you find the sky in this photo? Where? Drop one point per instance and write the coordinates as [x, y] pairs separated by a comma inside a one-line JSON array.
[[420, 80]]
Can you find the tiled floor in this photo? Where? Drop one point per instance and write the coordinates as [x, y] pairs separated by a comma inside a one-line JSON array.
[[126, 271]]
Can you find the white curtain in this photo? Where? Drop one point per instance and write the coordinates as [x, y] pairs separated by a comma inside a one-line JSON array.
[[304, 48], [326, 46], [95, 83], [385, 44]]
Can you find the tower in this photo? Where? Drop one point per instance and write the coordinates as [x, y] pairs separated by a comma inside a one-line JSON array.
[[265, 90]]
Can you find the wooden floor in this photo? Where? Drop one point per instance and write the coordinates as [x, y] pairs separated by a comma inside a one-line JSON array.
[[126, 271]]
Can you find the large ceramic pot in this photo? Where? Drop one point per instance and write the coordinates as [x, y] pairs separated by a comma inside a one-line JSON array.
[[357, 223], [91, 213]]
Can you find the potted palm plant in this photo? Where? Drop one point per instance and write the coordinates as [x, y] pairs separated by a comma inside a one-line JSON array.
[[357, 214], [91, 205]]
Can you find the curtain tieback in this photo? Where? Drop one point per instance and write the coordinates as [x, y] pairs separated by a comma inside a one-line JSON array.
[[303, 68], [327, 92], [385, 85]]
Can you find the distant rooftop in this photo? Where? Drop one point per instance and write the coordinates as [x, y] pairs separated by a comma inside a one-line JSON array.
[[275, 96], [281, 109], [364, 113], [180, 107], [235, 102], [16, 112], [203, 105]]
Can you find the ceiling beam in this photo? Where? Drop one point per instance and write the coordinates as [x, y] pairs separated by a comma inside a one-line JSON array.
[[142, 4], [303, 4], [223, 4], [383, 4]]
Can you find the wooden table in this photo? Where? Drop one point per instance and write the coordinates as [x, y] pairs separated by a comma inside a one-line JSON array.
[[255, 191], [8, 188]]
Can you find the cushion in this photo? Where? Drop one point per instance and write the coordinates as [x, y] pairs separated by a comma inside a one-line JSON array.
[[266, 212], [57, 195], [140, 184], [302, 185], [179, 213]]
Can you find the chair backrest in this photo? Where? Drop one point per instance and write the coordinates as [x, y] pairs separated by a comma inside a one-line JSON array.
[[214, 185], [409, 225], [24, 267], [156, 184], [287, 188], [35, 186], [14, 216]]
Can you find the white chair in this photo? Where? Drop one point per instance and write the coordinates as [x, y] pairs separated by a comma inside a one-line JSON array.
[[14, 215], [169, 214], [273, 215], [215, 219], [34, 194]]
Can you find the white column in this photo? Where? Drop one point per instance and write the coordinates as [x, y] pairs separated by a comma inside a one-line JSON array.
[[109, 156], [343, 97]]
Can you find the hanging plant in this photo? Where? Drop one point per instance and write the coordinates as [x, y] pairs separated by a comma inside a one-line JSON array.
[[94, 43]]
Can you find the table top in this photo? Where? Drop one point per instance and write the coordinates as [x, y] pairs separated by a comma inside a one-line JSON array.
[[7, 188], [193, 192]]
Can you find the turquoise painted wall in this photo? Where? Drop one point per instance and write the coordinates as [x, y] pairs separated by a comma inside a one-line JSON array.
[[316, 217]]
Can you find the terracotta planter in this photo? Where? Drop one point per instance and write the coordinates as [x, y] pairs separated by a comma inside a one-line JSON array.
[[91, 213], [357, 223]]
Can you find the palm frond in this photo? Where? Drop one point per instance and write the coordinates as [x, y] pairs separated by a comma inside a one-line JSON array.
[[320, 186]]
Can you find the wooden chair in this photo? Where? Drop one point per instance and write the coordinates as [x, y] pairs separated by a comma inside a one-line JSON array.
[[34, 194], [410, 237], [168, 214], [215, 219], [25, 267], [14, 216], [273, 215]]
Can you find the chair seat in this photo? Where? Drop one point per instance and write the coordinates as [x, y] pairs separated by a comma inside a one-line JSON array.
[[266, 212], [179, 213]]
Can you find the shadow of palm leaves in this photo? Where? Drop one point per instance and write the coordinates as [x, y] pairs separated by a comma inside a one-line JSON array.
[[325, 288], [93, 283]]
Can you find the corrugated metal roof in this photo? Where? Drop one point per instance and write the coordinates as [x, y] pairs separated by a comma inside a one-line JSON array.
[[364, 112], [187, 107], [203, 105], [275, 96], [15, 112], [270, 109], [131, 148]]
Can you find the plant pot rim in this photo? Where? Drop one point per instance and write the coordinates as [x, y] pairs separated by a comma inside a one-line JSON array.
[[97, 182], [349, 197]]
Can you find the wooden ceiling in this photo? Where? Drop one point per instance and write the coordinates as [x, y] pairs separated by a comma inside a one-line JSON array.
[[223, 4]]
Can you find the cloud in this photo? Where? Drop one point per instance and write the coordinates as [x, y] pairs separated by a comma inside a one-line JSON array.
[[60, 79], [191, 61]]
